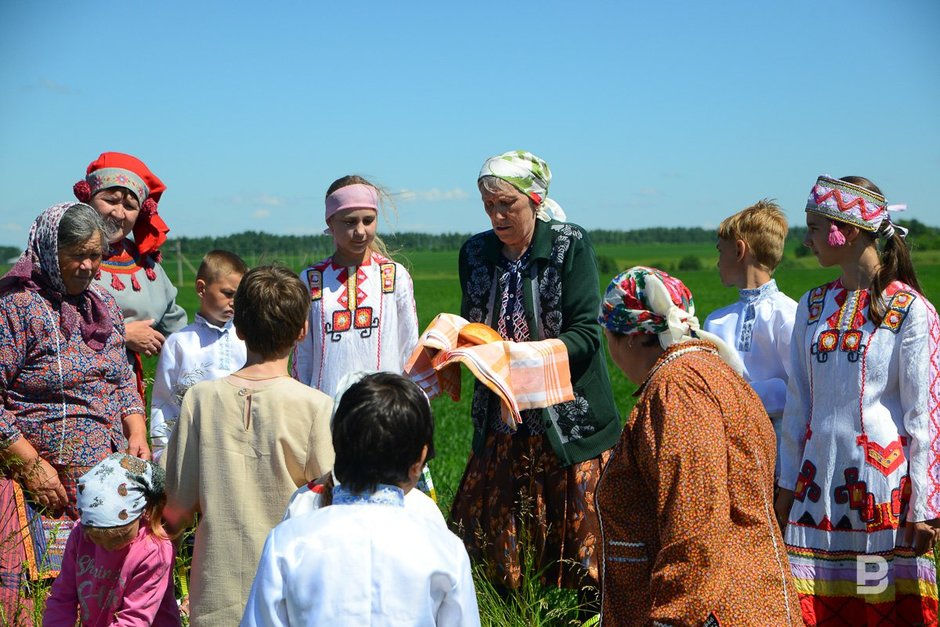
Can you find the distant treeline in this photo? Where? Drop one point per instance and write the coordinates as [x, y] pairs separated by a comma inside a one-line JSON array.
[[256, 243]]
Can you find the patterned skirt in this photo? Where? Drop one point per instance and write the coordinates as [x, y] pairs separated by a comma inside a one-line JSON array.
[[24, 534], [521, 513], [900, 589]]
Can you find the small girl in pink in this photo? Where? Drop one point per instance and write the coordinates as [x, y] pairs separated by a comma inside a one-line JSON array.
[[117, 566]]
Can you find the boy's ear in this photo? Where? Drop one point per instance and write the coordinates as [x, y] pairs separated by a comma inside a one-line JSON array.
[[200, 287], [303, 332], [414, 473], [740, 250]]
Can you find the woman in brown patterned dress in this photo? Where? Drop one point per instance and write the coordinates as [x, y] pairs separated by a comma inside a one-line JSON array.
[[686, 501]]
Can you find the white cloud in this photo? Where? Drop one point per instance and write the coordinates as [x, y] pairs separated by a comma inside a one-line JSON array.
[[261, 213], [431, 195], [53, 87], [11, 227], [262, 200]]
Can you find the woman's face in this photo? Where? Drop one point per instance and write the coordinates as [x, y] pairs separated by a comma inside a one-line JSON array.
[[817, 240], [78, 265], [512, 215], [120, 208]]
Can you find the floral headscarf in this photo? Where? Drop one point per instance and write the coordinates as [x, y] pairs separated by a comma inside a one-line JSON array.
[[116, 490], [649, 301], [37, 270], [530, 175]]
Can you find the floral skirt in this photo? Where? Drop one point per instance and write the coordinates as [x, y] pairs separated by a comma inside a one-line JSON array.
[[517, 500]]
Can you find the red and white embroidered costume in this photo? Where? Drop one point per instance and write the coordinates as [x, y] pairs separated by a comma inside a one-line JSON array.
[[860, 449], [361, 318]]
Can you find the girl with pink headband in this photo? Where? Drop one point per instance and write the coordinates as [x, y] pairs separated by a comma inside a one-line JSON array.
[[859, 481], [362, 313], [362, 310]]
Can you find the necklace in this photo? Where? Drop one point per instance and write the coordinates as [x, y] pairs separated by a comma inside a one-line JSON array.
[[679, 352]]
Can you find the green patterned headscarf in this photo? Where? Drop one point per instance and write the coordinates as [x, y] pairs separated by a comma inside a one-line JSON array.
[[530, 175]]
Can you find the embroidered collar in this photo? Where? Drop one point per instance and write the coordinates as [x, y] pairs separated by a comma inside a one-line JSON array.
[[373, 258], [752, 296], [383, 495], [225, 328]]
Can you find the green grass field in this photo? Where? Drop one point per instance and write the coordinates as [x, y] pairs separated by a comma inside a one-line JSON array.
[[437, 290]]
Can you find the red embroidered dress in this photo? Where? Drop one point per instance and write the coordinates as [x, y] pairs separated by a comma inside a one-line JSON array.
[[859, 449], [361, 318]]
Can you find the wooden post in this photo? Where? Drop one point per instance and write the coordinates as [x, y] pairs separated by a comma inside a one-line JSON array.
[[179, 263]]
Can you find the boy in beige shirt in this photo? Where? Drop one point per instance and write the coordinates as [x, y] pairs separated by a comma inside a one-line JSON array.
[[243, 444]]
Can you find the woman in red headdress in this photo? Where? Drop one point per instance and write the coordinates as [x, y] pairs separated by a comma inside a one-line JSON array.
[[125, 192]]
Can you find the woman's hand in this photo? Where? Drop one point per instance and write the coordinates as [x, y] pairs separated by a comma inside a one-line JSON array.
[[782, 507], [42, 482], [143, 338], [135, 430], [921, 536]]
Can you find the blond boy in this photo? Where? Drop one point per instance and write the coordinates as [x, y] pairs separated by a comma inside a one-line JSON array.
[[759, 324], [206, 349]]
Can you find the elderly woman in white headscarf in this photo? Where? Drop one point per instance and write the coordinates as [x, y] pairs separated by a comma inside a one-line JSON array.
[[534, 277], [686, 502]]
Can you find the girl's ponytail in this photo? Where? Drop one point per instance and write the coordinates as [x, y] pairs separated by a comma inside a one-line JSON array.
[[896, 265]]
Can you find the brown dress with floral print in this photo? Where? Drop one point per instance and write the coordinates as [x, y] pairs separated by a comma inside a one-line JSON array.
[[686, 504]]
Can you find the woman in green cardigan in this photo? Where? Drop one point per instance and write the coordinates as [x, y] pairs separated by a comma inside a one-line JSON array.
[[534, 277]]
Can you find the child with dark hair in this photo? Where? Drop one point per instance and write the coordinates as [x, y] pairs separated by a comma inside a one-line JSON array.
[[367, 559], [117, 565], [204, 350], [244, 444]]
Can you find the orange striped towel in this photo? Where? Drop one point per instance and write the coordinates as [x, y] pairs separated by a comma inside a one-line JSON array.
[[525, 375]]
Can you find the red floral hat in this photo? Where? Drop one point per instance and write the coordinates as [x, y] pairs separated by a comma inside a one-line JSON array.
[[116, 169]]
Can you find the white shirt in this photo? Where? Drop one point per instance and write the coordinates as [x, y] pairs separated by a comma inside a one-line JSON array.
[[364, 560], [361, 318], [201, 351], [306, 500], [759, 327], [862, 406]]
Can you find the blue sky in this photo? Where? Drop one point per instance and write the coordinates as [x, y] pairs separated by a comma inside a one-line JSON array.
[[649, 113]]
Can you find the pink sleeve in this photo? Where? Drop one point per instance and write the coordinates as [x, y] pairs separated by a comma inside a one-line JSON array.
[[149, 570], [62, 604]]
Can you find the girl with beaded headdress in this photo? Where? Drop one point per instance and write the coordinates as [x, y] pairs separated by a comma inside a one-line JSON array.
[[859, 470], [126, 193]]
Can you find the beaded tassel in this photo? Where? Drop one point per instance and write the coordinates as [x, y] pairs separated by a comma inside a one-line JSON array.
[[836, 238]]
